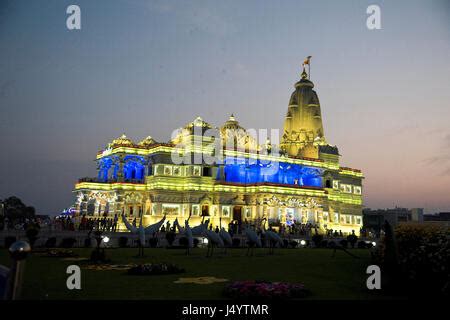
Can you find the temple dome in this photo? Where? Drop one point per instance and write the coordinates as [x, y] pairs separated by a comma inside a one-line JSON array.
[[147, 142], [231, 124], [233, 134], [199, 123], [198, 126], [122, 141]]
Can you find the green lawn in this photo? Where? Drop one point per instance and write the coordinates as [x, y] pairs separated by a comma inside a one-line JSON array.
[[341, 277]]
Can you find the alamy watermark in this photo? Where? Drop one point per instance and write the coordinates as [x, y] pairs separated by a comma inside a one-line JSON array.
[[374, 280], [200, 145], [373, 21], [73, 21]]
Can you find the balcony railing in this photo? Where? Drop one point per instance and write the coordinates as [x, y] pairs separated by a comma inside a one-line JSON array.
[[96, 180]]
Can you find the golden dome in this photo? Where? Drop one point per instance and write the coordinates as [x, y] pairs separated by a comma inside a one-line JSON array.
[[198, 122], [231, 124], [236, 136], [148, 141], [122, 141]]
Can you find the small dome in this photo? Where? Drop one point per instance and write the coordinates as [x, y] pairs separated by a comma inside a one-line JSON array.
[[231, 124], [198, 126], [122, 141], [198, 122], [234, 135], [148, 141]]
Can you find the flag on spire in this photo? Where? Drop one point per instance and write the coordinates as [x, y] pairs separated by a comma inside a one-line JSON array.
[[308, 58]]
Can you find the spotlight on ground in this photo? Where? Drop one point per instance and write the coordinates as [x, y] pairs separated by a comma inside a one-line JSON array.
[[374, 243], [105, 239], [303, 242]]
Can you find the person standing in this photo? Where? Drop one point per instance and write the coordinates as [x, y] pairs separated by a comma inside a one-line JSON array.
[[114, 225]]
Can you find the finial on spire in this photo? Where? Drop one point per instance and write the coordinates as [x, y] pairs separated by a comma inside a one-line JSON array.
[[304, 74]]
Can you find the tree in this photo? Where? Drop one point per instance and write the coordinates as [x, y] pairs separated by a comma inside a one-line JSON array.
[[15, 209]]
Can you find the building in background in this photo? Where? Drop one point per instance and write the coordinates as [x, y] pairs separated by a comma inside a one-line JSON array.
[[441, 218], [374, 219], [417, 214], [300, 181]]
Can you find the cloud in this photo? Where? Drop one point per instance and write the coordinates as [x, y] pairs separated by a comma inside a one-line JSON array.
[[160, 6], [206, 20], [442, 160], [196, 16], [447, 140]]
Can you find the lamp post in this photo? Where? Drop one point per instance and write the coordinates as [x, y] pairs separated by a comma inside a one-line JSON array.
[[18, 251]]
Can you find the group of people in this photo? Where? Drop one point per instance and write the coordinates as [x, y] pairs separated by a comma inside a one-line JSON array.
[[7, 223], [105, 223], [110, 224]]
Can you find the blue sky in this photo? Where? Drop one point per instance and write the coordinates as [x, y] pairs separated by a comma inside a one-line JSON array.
[[148, 67]]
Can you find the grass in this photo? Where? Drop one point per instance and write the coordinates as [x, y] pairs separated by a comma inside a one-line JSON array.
[[341, 277]]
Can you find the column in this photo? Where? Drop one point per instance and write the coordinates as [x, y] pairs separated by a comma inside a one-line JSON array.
[[96, 210], [120, 171]]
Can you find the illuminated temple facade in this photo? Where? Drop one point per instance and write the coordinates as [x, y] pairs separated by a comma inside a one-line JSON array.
[[298, 181]]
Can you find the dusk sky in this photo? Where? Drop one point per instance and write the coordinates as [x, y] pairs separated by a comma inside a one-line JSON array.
[[149, 67]]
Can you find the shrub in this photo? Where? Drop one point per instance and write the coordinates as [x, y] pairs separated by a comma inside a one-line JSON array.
[[87, 243], [323, 244], [422, 253], [331, 244], [9, 241], [343, 243], [317, 239], [51, 242], [123, 242], [285, 243], [68, 242], [236, 242], [153, 242]]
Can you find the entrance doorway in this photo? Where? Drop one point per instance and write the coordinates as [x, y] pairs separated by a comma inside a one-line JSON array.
[[205, 211], [237, 213]]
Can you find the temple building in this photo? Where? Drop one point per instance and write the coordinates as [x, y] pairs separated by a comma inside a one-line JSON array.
[[223, 173]]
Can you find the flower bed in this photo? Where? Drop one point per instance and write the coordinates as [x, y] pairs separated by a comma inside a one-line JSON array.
[[53, 253], [265, 290], [154, 269]]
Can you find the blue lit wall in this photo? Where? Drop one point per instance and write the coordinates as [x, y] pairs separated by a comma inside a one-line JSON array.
[[241, 171], [104, 165], [134, 168]]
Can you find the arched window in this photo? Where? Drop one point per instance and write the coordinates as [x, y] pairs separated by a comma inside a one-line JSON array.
[[91, 208]]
